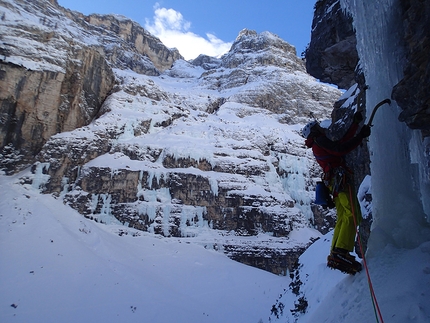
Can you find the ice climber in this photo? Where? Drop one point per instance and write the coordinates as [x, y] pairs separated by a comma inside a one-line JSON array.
[[338, 178]]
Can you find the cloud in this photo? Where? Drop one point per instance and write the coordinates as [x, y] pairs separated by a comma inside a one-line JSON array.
[[173, 30]]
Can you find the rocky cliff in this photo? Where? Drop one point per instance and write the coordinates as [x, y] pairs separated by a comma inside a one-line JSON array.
[[125, 44], [55, 72], [411, 93], [332, 55]]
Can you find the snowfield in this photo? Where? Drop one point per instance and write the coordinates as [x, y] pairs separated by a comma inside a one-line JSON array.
[[60, 267], [57, 266]]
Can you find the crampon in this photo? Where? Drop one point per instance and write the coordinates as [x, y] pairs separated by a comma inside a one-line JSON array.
[[345, 264]]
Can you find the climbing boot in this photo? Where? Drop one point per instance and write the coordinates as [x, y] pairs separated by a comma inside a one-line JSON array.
[[340, 259]]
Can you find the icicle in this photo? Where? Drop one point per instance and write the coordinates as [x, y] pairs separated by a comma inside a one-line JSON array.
[[128, 132], [166, 208], [188, 225], [158, 177], [65, 186], [105, 211], [214, 185], [200, 211], [294, 182], [94, 202], [150, 178], [139, 185], [40, 178], [150, 209]]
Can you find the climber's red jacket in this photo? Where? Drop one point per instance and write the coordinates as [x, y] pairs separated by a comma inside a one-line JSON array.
[[330, 154]]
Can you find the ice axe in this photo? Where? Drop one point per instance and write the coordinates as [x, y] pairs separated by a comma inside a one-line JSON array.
[[359, 102], [369, 123]]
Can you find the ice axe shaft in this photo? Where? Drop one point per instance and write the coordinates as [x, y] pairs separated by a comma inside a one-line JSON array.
[[369, 123]]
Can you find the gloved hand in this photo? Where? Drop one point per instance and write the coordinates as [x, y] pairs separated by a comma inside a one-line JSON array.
[[365, 131], [358, 117]]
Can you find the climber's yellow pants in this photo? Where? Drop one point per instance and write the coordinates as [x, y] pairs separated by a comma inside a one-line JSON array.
[[345, 229]]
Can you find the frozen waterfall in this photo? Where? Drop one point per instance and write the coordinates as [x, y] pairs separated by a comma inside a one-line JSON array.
[[399, 162]]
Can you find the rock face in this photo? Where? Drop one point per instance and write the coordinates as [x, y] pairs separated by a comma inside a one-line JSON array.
[[275, 260], [125, 44], [254, 57], [200, 147], [411, 93], [36, 104], [57, 78], [332, 56]]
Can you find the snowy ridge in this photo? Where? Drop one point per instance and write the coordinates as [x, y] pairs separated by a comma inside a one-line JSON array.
[[331, 296], [32, 53]]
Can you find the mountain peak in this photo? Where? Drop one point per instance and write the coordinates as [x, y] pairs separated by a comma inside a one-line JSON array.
[[246, 32], [251, 40]]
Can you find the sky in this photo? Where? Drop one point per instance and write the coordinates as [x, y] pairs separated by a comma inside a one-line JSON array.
[[209, 27]]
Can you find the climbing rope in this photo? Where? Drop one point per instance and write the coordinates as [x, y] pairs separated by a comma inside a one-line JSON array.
[[376, 308]]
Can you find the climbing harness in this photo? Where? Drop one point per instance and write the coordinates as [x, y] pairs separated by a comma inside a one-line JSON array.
[[339, 180]]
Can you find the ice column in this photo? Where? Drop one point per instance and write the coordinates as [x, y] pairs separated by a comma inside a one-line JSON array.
[[397, 186]]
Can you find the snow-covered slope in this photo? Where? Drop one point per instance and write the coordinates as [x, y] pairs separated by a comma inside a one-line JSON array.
[[400, 280], [57, 266]]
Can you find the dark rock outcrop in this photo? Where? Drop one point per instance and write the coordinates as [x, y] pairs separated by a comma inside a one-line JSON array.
[[412, 93], [275, 259], [324, 220], [207, 62], [332, 56]]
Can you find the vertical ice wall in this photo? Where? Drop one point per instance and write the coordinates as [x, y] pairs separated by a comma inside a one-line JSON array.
[[400, 179]]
